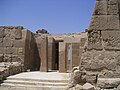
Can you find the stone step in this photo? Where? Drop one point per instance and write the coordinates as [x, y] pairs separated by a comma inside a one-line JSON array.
[[37, 80], [8, 86], [27, 82]]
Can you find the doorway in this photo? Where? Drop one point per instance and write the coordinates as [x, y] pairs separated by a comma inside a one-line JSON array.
[[57, 56]]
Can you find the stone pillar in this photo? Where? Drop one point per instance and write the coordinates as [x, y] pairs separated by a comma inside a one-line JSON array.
[[51, 51], [62, 57], [44, 54]]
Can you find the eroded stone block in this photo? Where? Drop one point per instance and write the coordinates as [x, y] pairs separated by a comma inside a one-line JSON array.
[[7, 42], [94, 40], [7, 58], [112, 9], [99, 60], [112, 2], [111, 40], [100, 8], [103, 22], [108, 82], [18, 34], [19, 43], [11, 50], [112, 22], [98, 22]]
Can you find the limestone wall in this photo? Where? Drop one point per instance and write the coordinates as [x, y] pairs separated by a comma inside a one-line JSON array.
[[16, 50]]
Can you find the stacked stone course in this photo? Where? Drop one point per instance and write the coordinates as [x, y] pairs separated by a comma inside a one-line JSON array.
[[101, 58]]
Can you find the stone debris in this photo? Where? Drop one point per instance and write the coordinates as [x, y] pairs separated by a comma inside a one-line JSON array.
[[88, 86]]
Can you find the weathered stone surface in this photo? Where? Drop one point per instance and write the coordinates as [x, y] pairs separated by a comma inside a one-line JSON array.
[[88, 86], [90, 77], [100, 8], [2, 33], [19, 43], [7, 42], [108, 82], [7, 58], [112, 2], [109, 74], [111, 40], [78, 87], [100, 60], [9, 68], [2, 50], [18, 34], [98, 22], [16, 58], [113, 9], [1, 57], [94, 40], [103, 22]]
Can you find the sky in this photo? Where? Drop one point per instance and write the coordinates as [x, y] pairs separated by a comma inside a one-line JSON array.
[[56, 16]]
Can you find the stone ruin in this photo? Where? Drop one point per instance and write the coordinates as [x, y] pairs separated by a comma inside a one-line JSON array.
[[100, 61], [96, 52], [22, 50]]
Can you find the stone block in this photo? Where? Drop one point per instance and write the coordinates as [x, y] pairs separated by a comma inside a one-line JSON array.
[[108, 82], [7, 58], [8, 42], [18, 34], [109, 74], [112, 2], [88, 86], [7, 32], [112, 9], [11, 50], [112, 22], [94, 40], [103, 22], [2, 50], [111, 40], [98, 22], [99, 60], [19, 43], [90, 77], [100, 8]]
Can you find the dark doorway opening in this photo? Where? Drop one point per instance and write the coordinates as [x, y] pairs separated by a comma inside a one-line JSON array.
[[57, 56]]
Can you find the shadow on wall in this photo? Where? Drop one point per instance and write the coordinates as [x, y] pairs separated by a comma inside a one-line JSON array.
[[37, 57]]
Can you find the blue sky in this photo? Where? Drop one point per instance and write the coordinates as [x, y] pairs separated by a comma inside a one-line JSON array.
[[57, 16]]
